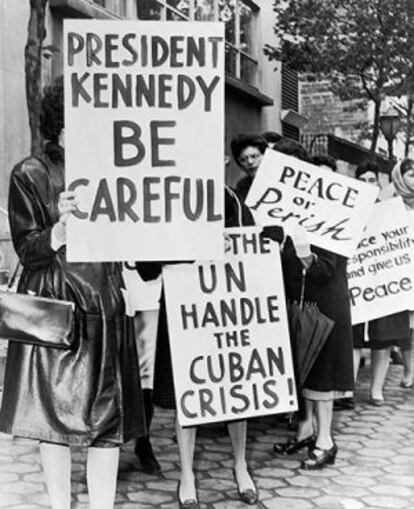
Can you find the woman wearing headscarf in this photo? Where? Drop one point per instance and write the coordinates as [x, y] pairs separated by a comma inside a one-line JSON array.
[[403, 181]]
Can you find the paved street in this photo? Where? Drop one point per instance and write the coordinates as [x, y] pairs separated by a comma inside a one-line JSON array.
[[374, 467]]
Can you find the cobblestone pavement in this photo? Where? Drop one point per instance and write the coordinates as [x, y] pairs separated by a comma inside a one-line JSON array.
[[374, 467]]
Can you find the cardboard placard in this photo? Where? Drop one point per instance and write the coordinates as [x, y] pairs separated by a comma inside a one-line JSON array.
[[229, 335], [144, 116], [381, 272], [332, 208]]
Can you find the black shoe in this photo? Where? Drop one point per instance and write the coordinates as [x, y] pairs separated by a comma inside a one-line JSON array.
[[293, 445], [344, 404], [187, 504], [149, 463], [249, 496], [319, 461]]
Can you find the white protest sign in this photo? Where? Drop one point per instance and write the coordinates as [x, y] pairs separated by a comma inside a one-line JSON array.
[[229, 336], [381, 272], [332, 208], [144, 114]]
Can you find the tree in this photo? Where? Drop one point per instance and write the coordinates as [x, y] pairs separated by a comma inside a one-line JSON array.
[[33, 69], [361, 46]]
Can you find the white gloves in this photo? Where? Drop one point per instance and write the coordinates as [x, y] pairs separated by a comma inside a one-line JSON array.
[[300, 241], [66, 205]]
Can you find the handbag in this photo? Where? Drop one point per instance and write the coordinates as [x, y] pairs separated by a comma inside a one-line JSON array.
[[36, 320]]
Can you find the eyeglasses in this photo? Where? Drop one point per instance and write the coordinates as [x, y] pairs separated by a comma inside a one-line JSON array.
[[252, 157]]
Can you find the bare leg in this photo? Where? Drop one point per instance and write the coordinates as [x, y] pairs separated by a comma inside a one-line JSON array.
[[357, 361], [408, 362], [238, 432], [102, 471], [324, 413], [56, 463], [186, 438], [380, 360], [306, 427]]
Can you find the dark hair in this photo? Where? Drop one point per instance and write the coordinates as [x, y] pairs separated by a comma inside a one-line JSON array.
[[243, 141], [324, 159], [406, 164], [272, 136], [51, 110], [291, 148], [365, 167]]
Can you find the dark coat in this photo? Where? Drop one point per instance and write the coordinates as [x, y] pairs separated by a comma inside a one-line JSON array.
[[163, 394], [384, 332], [86, 396], [326, 285]]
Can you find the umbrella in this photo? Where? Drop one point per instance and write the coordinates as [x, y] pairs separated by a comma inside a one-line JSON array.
[[309, 330]]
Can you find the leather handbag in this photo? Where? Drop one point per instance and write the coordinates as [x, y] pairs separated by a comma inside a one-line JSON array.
[[36, 320]]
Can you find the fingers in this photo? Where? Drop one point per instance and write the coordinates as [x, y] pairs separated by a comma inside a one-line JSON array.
[[67, 204]]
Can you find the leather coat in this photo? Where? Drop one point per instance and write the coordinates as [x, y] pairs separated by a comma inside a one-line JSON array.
[[89, 395]]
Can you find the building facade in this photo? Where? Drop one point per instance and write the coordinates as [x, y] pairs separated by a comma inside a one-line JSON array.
[[259, 95]]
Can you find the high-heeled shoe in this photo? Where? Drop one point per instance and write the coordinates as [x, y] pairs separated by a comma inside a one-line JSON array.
[[293, 445], [318, 461], [191, 503], [249, 496]]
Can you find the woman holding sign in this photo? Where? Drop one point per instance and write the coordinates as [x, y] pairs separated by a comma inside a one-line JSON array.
[[403, 181], [381, 334], [88, 395], [236, 215], [321, 275]]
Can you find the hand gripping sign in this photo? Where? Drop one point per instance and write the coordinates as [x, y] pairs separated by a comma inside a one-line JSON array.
[[229, 334], [332, 208], [144, 115], [381, 272]]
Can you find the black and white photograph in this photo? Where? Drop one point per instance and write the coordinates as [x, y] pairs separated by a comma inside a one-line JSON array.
[[206, 254]]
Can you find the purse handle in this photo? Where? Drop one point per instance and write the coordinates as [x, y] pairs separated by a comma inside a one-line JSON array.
[[10, 284]]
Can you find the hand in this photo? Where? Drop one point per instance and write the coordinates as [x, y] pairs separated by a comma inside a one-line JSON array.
[[300, 241], [67, 204]]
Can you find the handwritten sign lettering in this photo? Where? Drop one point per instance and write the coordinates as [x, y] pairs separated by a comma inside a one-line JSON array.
[[144, 139], [381, 272], [229, 336], [332, 208]]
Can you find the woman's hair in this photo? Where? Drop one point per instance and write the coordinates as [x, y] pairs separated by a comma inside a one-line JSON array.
[[406, 164], [243, 141], [291, 148], [272, 136], [51, 110], [365, 167], [324, 159]]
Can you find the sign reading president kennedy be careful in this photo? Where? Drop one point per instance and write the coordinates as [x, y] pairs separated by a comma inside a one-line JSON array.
[[144, 139]]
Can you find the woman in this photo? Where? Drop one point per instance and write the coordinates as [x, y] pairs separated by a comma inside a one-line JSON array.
[[382, 334], [323, 275], [89, 395], [236, 215], [403, 181]]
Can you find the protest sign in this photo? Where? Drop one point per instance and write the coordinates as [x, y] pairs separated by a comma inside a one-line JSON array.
[[229, 336], [381, 272], [144, 139], [332, 208]]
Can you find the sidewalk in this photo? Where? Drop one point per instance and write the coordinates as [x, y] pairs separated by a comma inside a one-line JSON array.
[[374, 467]]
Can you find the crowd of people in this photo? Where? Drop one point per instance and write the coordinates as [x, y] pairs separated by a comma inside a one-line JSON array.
[[99, 396]]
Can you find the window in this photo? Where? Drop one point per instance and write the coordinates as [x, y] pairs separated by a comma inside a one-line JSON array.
[[118, 7], [239, 17]]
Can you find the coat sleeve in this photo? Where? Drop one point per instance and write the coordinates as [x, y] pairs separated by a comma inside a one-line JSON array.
[[323, 268], [30, 221]]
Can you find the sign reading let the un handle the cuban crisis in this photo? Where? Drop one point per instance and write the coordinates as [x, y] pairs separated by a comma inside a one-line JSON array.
[[144, 139], [229, 335]]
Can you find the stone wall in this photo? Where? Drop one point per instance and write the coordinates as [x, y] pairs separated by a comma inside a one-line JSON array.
[[328, 114]]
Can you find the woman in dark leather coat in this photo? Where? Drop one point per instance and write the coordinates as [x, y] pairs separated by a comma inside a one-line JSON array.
[[87, 396]]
